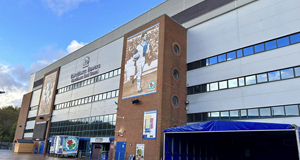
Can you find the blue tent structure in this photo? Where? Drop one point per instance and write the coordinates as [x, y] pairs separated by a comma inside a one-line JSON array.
[[232, 140]]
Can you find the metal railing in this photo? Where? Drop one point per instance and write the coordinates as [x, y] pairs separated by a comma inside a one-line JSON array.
[[6, 145]]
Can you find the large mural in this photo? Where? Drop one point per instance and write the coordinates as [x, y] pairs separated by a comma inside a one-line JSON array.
[[47, 94], [141, 59]]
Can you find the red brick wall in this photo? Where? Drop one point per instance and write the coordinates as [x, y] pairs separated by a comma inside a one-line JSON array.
[[168, 116]]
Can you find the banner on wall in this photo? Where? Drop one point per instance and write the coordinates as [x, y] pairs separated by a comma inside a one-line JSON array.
[[140, 149], [149, 127], [141, 60], [48, 93]]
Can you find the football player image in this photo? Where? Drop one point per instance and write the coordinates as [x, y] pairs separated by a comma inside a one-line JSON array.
[[139, 58]]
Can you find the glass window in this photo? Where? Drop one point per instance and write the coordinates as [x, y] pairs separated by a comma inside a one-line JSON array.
[[96, 97], [175, 100], [270, 45], [222, 58], [214, 86], [297, 71], [88, 81], [262, 78], [76, 102], [248, 51], [213, 60], [82, 101], [232, 83], [274, 76], [190, 118], [234, 114], [259, 48], [100, 96], [99, 78], [102, 76], [243, 114], [119, 71], [90, 99], [287, 73], [198, 117], [115, 72], [225, 115], [86, 100], [231, 55], [281, 42], [197, 89], [214, 115], [295, 38], [223, 84], [71, 87], [250, 80], [92, 80], [84, 82], [75, 85], [265, 112], [292, 110], [104, 96], [241, 81], [106, 75], [111, 74], [113, 94], [277, 111], [239, 53], [175, 74], [108, 95], [117, 93], [176, 48], [67, 88], [79, 101]]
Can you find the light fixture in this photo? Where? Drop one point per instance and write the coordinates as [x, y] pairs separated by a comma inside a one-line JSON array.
[[187, 102], [135, 101], [116, 103], [186, 108]]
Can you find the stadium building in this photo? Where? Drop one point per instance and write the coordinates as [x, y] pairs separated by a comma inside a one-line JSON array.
[[182, 62]]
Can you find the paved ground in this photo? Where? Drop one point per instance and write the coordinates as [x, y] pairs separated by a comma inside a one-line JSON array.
[[10, 155]]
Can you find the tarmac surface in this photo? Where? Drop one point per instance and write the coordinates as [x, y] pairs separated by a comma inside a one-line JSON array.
[[10, 155]]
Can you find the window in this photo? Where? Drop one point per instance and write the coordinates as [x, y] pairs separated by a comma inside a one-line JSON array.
[[76, 102], [214, 115], [92, 80], [82, 100], [99, 78], [102, 76], [241, 81], [86, 100], [277, 111], [213, 60], [287, 73], [85, 82], [292, 110], [265, 112], [90, 99], [100, 96], [222, 58], [248, 51], [243, 114], [270, 45], [274, 76], [297, 71], [79, 102], [175, 74], [96, 97], [214, 86], [108, 95], [234, 114], [231, 55], [176, 48], [175, 100], [119, 71], [104, 96], [239, 53], [259, 48], [113, 94], [88, 81], [250, 80], [106, 75], [295, 38], [281, 42], [225, 115], [262, 78], [111, 74], [223, 84], [117, 93], [115, 72]]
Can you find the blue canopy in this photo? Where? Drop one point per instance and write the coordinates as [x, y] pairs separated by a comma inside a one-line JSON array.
[[228, 126]]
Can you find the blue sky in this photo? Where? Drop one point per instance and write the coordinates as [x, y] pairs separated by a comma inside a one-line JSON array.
[[35, 33]]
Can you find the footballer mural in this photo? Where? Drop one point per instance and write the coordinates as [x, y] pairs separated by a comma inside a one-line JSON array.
[[140, 72], [48, 94]]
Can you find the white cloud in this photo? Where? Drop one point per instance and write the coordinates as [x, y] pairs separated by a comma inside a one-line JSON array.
[[74, 45], [59, 7]]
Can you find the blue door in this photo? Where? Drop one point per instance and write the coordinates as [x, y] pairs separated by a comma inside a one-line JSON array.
[[120, 151], [41, 147]]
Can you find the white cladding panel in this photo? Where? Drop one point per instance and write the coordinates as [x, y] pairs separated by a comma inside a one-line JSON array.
[[28, 135], [35, 99], [259, 95], [32, 113], [259, 21], [30, 124]]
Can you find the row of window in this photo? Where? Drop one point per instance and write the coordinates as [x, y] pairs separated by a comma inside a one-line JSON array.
[[92, 80], [33, 108], [31, 118], [261, 47], [266, 112], [247, 80], [98, 126], [85, 100], [28, 131]]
